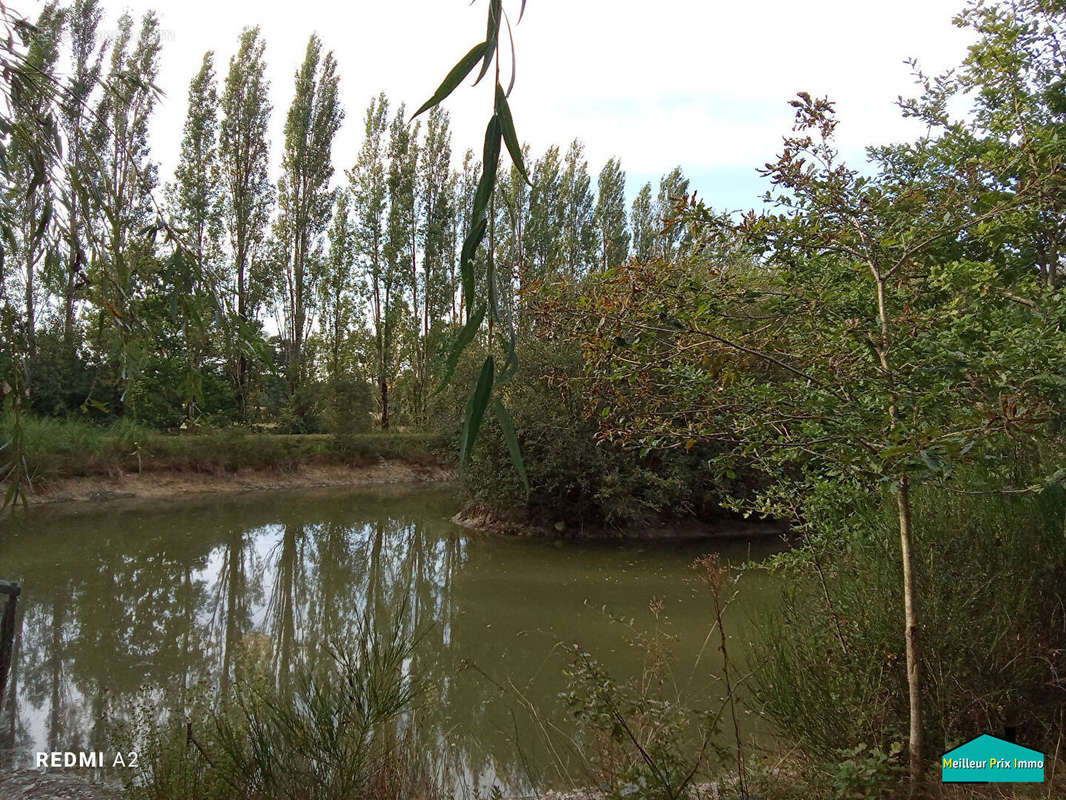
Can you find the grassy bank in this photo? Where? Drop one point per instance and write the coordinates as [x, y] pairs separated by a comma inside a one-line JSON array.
[[68, 448]]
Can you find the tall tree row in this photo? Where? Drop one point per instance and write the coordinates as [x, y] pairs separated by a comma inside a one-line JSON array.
[[227, 293]]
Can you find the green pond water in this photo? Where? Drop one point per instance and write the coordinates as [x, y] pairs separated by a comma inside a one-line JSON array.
[[124, 602]]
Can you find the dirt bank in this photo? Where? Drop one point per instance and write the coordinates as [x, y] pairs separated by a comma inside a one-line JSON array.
[[170, 483]]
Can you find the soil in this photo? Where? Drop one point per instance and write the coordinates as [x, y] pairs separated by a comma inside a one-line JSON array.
[[166, 484]]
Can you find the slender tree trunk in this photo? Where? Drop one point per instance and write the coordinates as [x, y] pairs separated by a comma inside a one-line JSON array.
[[31, 309], [416, 308], [384, 384], [72, 272], [910, 610], [910, 614], [242, 364]]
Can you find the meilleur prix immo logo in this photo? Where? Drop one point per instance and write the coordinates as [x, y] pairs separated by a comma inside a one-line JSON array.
[[987, 759]]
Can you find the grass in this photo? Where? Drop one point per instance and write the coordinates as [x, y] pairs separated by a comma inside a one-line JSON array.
[[65, 448]]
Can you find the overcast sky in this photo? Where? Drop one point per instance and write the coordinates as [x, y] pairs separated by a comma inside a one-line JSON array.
[[699, 83]]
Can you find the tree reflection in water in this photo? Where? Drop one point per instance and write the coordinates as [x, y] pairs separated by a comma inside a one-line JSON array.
[[132, 601]]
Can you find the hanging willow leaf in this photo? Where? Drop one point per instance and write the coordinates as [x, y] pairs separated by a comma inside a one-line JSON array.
[[503, 416], [510, 366], [475, 409], [492, 36], [510, 138], [489, 165], [455, 77], [466, 336], [522, 10], [466, 259], [514, 57]]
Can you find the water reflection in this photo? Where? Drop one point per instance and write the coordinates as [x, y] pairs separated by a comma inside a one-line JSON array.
[[124, 599]]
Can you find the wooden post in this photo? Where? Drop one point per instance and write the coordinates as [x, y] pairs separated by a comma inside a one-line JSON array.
[[11, 592]]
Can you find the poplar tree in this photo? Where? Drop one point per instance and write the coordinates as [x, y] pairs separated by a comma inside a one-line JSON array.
[[673, 187], [31, 192], [643, 223], [338, 301], [369, 188], [196, 209], [577, 203], [248, 197], [611, 215], [513, 194], [465, 188], [434, 205], [400, 243], [127, 180], [86, 58], [305, 199], [544, 244]]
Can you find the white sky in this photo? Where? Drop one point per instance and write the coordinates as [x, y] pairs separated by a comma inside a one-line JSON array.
[[704, 84]]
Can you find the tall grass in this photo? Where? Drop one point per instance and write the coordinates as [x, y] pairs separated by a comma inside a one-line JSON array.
[[991, 572], [338, 733]]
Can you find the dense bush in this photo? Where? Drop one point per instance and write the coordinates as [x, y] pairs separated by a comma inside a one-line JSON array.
[[574, 477]]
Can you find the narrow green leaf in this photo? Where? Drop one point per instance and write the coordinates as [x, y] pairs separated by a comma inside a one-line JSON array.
[[492, 36], [490, 163], [466, 336], [507, 426], [510, 138], [514, 60], [510, 366], [46, 217], [475, 410], [466, 259], [455, 77]]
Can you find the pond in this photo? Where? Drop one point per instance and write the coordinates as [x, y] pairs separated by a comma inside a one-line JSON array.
[[123, 601]]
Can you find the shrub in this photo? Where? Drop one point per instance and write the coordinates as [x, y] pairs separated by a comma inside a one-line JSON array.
[[573, 476]]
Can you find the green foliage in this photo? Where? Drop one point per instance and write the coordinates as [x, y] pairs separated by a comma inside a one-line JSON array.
[[572, 477], [865, 773], [351, 404]]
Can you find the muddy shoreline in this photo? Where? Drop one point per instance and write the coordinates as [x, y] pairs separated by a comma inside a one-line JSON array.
[[484, 521], [174, 484]]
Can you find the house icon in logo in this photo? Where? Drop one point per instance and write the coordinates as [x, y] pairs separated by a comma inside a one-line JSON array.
[[987, 759]]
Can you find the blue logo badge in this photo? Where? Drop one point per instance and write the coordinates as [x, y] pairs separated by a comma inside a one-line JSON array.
[[987, 759]]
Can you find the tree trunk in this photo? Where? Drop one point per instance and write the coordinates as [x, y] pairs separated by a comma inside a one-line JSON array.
[[911, 633], [384, 403], [242, 364]]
